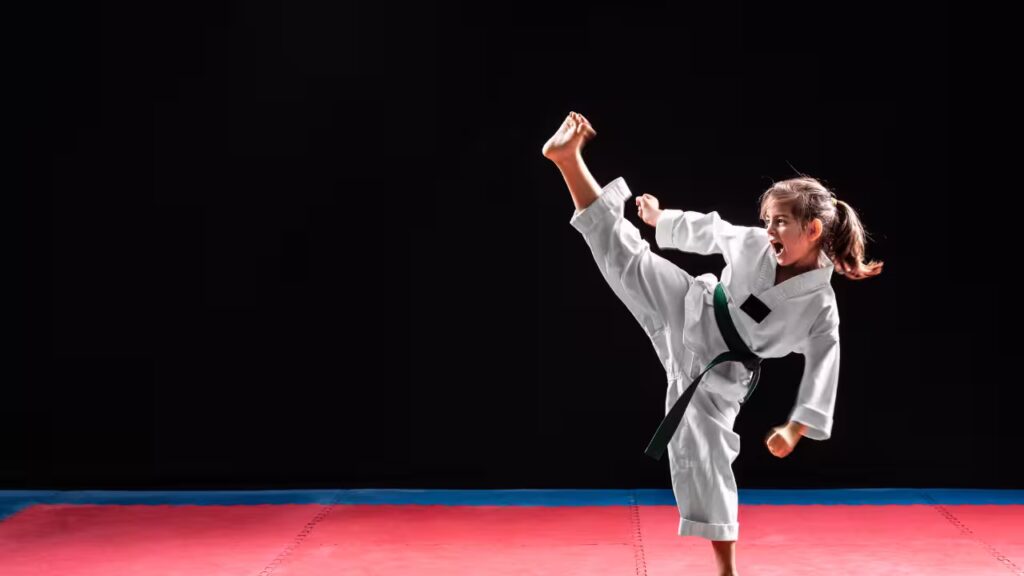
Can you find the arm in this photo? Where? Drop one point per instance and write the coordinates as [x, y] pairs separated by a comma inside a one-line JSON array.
[[816, 399], [705, 233], [812, 414]]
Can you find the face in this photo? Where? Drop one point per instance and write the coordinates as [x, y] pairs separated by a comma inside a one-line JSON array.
[[791, 244]]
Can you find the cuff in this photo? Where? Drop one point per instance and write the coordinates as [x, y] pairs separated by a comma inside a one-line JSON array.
[[609, 201], [665, 226], [709, 530], [819, 424]]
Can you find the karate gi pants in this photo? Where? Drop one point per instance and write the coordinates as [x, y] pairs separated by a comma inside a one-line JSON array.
[[703, 448]]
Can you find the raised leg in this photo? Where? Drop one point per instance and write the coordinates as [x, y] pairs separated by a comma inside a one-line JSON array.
[[652, 288]]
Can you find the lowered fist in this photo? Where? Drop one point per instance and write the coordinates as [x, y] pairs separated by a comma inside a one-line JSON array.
[[782, 439]]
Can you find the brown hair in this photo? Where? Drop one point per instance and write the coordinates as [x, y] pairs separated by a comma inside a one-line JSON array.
[[843, 235]]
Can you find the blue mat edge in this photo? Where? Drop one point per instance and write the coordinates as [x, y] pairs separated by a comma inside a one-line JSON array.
[[11, 501]]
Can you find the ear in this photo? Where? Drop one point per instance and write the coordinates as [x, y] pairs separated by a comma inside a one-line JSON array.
[[815, 229]]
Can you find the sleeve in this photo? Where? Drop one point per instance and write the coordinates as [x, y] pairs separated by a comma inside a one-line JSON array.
[[708, 233], [816, 398]]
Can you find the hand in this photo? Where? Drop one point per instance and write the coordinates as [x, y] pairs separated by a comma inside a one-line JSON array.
[[569, 139], [782, 439], [647, 209]]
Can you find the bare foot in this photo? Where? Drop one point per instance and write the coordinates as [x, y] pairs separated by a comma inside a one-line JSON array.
[[569, 139]]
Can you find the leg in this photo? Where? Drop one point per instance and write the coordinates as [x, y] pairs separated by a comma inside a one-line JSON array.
[[651, 287], [701, 454], [582, 186], [725, 556]]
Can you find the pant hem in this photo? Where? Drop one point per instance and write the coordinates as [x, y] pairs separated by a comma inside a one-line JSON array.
[[710, 531]]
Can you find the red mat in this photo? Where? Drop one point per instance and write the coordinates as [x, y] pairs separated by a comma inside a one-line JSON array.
[[412, 540]]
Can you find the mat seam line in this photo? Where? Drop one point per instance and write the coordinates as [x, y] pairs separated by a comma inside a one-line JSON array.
[[999, 556], [639, 561], [301, 536]]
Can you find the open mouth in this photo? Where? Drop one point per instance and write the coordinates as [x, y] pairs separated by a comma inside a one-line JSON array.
[[779, 248]]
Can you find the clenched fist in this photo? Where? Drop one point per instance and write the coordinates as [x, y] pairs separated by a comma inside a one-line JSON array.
[[647, 209], [782, 439]]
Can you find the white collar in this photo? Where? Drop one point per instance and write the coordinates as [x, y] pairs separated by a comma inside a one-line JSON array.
[[799, 284]]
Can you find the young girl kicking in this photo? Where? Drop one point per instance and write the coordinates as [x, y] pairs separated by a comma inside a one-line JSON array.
[[776, 284]]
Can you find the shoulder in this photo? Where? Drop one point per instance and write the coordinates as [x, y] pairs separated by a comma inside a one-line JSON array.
[[826, 321], [749, 240], [755, 236]]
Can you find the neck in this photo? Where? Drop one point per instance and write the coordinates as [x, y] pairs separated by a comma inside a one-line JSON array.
[[806, 264], [809, 262]]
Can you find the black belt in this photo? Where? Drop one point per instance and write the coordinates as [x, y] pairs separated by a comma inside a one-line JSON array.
[[738, 352]]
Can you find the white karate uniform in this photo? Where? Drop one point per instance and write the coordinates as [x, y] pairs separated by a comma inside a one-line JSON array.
[[676, 310]]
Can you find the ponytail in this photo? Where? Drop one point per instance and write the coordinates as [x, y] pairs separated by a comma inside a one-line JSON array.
[[846, 244]]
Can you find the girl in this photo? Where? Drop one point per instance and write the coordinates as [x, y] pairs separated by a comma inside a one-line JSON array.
[[777, 284]]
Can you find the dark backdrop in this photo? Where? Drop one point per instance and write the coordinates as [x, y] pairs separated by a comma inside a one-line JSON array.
[[280, 245]]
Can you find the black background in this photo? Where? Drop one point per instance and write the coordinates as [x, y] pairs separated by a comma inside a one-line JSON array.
[[292, 245]]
